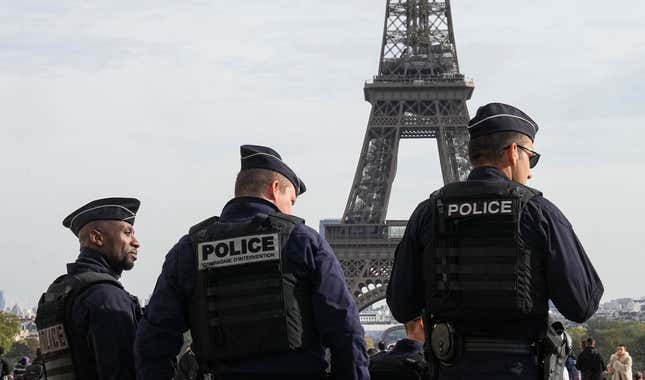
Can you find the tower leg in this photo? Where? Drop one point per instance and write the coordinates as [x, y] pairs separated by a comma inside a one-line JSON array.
[[452, 143], [370, 193]]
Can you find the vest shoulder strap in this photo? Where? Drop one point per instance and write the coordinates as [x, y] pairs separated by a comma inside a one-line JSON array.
[[67, 285], [203, 224], [289, 218], [435, 194], [84, 280], [528, 194]]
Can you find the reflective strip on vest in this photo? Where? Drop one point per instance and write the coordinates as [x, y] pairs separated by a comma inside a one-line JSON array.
[[62, 366]]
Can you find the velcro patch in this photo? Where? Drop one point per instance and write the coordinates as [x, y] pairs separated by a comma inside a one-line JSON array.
[[238, 251], [53, 339], [480, 207]]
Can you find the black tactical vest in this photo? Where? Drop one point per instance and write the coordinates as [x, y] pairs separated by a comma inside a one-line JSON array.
[[54, 312], [476, 265], [246, 302]]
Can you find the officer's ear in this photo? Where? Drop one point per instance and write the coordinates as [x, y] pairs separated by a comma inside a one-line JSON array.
[[512, 154], [274, 189], [96, 237]]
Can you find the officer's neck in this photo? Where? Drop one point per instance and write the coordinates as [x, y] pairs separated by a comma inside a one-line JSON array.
[[505, 169], [417, 335]]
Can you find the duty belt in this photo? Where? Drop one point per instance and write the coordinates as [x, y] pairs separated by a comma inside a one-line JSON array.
[[478, 344], [447, 345]]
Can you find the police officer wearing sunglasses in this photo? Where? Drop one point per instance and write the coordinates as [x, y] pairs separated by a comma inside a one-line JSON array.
[[483, 257]]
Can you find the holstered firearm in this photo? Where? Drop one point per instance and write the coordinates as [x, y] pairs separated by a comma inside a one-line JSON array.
[[431, 361], [554, 350]]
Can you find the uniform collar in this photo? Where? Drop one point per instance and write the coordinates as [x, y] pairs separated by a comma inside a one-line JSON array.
[[407, 345], [241, 208], [91, 260], [486, 172]]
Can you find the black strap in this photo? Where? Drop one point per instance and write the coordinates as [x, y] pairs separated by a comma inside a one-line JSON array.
[[478, 344], [203, 225]]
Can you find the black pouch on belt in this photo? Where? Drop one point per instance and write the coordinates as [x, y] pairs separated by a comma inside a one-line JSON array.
[[445, 343]]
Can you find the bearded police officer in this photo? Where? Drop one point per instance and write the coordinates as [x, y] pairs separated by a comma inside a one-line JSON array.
[[86, 320], [484, 256], [261, 293]]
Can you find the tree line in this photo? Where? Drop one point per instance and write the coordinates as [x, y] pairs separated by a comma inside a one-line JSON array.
[[609, 334]]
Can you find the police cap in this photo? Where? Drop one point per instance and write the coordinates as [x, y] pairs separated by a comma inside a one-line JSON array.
[[499, 117], [124, 209], [262, 157]]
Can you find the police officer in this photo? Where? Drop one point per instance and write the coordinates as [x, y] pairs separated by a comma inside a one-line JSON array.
[[484, 256], [406, 360], [86, 320], [261, 293]]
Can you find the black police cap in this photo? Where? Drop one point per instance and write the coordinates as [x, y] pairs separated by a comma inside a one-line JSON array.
[[262, 157], [124, 209], [499, 117]]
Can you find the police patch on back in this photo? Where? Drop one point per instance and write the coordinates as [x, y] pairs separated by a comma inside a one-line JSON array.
[[480, 207], [53, 339], [238, 251]]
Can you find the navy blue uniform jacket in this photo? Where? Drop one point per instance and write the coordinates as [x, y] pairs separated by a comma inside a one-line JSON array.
[[404, 348], [571, 281], [159, 337], [104, 320]]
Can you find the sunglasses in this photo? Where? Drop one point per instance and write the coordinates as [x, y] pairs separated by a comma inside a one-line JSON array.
[[534, 156]]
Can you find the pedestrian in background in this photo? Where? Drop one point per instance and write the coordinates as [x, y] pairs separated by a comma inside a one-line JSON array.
[[620, 364]]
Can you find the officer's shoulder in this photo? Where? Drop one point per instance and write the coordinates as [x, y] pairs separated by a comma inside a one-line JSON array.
[[105, 295], [425, 205], [301, 232], [548, 209], [377, 357], [304, 231]]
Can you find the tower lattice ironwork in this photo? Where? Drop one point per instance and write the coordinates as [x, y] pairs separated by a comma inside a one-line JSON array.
[[418, 93]]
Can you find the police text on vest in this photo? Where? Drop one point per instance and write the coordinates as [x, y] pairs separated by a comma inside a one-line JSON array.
[[238, 251], [483, 207], [52, 339]]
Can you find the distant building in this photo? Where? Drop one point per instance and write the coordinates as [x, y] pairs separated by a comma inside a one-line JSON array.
[[27, 328], [323, 222], [15, 310], [376, 315], [3, 301]]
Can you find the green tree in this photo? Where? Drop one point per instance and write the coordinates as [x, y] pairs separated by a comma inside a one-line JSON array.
[[9, 328], [577, 333], [609, 334], [21, 348]]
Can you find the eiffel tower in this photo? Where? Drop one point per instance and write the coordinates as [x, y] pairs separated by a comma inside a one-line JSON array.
[[418, 93]]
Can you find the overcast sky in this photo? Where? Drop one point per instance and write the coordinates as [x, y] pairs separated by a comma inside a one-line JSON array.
[[152, 99]]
